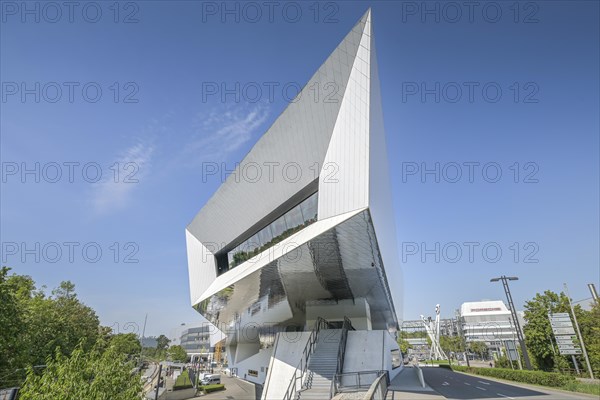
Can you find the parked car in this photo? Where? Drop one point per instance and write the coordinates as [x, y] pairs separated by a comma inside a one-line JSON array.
[[211, 380]]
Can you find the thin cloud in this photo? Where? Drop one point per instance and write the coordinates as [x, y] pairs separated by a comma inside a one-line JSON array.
[[222, 132], [115, 191]]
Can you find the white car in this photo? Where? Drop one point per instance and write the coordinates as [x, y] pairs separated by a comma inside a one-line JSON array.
[[211, 380]]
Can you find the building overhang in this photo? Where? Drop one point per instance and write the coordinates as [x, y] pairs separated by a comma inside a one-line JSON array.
[[332, 260]]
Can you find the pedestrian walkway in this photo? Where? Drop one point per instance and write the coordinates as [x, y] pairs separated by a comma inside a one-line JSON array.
[[406, 385]]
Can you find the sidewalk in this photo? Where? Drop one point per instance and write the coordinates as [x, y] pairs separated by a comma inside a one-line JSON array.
[[408, 386]]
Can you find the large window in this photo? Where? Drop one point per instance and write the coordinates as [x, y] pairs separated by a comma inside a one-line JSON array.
[[289, 223]]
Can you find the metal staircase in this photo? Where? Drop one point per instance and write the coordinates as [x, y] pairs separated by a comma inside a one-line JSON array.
[[322, 359], [322, 366]]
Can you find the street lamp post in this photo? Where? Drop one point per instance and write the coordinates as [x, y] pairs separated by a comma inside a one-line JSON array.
[[513, 312]]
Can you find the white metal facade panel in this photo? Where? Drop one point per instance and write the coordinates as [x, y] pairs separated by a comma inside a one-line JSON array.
[[201, 266], [348, 149], [380, 195], [299, 137]]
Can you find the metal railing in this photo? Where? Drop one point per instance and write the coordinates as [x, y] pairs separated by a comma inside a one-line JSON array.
[[356, 381], [297, 381], [379, 388], [346, 326]]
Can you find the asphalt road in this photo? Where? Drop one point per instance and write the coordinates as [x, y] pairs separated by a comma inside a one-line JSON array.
[[453, 385], [235, 389]]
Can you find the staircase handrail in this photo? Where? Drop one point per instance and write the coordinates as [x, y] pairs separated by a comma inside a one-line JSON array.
[[338, 380], [300, 370], [346, 326]]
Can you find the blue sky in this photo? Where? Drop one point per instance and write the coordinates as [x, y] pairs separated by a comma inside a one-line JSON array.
[[542, 56]]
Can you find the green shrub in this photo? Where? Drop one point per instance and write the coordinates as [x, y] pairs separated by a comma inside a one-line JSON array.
[[183, 381], [502, 362], [542, 378], [211, 388]]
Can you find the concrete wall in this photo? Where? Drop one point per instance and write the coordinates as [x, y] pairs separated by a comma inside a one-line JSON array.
[[180, 394], [258, 362], [245, 350], [370, 350], [287, 353]]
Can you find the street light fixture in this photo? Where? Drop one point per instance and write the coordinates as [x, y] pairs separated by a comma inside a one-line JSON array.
[[513, 311]]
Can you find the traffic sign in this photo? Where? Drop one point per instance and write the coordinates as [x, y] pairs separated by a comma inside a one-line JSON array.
[[567, 346], [564, 340], [560, 315], [563, 331], [573, 352], [561, 324]]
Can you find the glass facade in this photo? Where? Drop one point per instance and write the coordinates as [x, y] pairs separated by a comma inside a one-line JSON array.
[[289, 223]]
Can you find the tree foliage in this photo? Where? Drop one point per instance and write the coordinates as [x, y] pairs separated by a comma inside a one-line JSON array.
[[479, 348], [54, 344], [404, 345], [126, 343], [162, 342], [177, 353], [540, 339], [91, 375], [589, 323], [452, 344], [12, 324]]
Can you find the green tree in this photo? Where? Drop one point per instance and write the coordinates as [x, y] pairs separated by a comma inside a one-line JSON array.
[[404, 346], [162, 342], [12, 325], [177, 353], [126, 343], [59, 322], [589, 323], [451, 344], [34, 325], [84, 375], [538, 332], [479, 348]]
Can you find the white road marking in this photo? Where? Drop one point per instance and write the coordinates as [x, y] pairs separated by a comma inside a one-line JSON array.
[[467, 383], [445, 384], [508, 397], [485, 383], [480, 388]]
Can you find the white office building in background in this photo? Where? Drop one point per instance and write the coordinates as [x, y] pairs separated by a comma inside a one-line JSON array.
[[489, 321]]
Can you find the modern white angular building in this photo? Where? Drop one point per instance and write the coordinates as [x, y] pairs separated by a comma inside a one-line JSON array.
[[296, 266]]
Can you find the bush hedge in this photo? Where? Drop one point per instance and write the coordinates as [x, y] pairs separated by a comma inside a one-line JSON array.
[[551, 379], [183, 381], [211, 388]]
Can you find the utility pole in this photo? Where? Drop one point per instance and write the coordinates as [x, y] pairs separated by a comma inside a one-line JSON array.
[[158, 381], [585, 354], [459, 320], [142, 340], [592, 288], [513, 311]]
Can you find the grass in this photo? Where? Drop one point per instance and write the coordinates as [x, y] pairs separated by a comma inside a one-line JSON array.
[[582, 387], [183, 381]]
